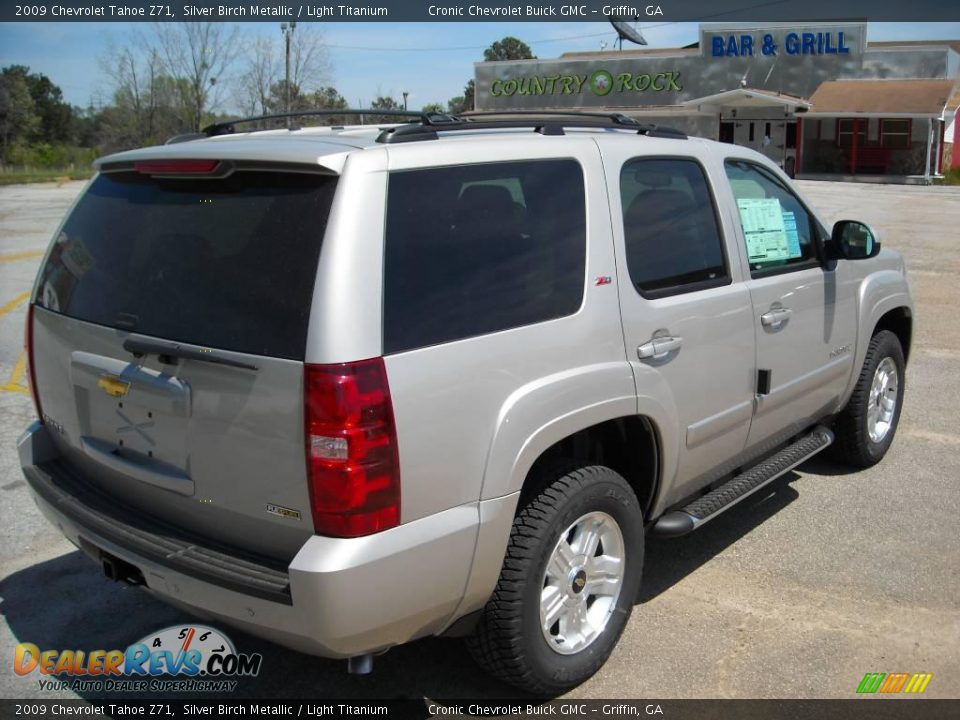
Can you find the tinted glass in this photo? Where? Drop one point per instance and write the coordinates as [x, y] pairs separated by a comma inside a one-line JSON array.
[[669, 225], [226, 263], [480, 248], [778, 230]]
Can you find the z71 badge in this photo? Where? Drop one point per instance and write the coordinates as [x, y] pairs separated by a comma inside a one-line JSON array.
[[283, 512]]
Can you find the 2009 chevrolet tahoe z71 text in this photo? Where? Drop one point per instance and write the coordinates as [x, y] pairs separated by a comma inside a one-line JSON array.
[[349, 387]]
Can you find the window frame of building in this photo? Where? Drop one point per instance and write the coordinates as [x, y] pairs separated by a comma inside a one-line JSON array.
[[724, 278], [906, 135], [861, 132], [817, 231]]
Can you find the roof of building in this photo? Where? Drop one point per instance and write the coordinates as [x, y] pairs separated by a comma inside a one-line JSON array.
[[918, 97], [954, 102], [748, 97], [694, 49], [891, 44]]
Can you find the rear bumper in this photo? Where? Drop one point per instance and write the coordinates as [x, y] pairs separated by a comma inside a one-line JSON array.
[[336, 598]]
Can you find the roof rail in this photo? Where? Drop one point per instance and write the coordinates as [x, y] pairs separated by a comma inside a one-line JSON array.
[[424, 125], [545, 122], [184, 137], [227, 127]]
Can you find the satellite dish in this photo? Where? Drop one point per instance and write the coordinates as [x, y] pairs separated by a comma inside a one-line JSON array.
[[626, 31]]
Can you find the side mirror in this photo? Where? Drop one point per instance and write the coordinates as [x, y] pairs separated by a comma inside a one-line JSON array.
[[854, 240]]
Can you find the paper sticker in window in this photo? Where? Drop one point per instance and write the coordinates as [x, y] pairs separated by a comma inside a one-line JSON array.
[[793, 239], [765, 230]]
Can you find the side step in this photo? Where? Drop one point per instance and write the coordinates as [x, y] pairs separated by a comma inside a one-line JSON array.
[[707, 507]]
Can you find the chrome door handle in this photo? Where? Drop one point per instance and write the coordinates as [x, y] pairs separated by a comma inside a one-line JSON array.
[[658, 347], [775, 317]]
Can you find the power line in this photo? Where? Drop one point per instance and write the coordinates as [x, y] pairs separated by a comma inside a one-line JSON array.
[[547, 40], [452, 48]]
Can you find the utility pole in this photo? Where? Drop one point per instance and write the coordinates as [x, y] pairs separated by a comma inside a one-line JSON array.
[[287, 30], [405, 93]]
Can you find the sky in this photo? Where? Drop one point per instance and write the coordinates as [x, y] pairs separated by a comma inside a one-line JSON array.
[[430, 61]]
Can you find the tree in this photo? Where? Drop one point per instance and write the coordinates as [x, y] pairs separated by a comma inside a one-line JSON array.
[[278, 98], [509, 48], [18, 116], [433, 108], [147, 103], [54, 116], [383, 103], [264, 64], [199, 54], [327, 98], [309, 59], [462, 103], [261, 69]]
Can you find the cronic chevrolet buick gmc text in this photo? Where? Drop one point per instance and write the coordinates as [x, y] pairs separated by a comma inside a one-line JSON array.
[[345, 387]]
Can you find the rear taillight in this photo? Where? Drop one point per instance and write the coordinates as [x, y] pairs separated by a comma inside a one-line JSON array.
[[28, 348], [352, 462]]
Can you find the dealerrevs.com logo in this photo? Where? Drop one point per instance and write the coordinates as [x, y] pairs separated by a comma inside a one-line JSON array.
[[182, 658]]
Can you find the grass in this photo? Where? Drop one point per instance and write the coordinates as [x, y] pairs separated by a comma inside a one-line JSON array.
[[950, 177], [17, 177]]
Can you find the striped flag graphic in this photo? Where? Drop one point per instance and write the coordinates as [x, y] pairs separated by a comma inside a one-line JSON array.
[[914, 683]]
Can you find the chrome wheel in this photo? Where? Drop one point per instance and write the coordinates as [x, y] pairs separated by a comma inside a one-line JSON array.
[[882, 402], [582, 583]]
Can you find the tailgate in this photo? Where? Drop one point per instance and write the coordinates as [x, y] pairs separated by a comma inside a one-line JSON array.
[[168, 342]]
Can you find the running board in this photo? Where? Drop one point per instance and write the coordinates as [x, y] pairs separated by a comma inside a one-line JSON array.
[[707, 507]]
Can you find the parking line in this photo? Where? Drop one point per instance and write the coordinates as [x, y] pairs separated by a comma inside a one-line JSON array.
[[15, 303], [13, 384], [25, 255]]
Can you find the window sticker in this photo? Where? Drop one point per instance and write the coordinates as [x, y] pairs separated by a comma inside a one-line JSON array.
[[765, 231], [793, 239]]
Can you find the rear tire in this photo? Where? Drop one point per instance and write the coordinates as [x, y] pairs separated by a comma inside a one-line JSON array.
[[567, 586], [867, 425]]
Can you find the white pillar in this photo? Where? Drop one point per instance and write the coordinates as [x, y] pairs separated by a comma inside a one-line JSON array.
[[937, 149], [926, 164]]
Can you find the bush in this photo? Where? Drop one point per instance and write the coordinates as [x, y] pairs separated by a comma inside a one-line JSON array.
[[47, 156]]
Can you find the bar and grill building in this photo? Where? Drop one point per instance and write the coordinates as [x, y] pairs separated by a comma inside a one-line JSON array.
[[816, 98]]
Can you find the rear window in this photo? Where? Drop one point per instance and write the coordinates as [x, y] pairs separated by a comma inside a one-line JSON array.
[[227, 263], [476, 249]]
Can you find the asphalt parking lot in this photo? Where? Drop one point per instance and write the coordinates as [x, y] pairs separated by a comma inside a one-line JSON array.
[[795, 593]]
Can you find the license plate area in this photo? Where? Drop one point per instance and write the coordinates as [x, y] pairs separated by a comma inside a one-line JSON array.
[[136, 413]]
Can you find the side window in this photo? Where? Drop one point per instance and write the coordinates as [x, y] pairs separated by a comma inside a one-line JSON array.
[[476, 249], [670, 227], [778, 231]]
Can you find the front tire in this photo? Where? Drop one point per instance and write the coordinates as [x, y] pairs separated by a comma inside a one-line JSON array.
[[867, 425], [568, 584]]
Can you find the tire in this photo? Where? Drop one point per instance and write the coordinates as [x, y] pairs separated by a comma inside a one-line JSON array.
[[863, 437], [509, 641]]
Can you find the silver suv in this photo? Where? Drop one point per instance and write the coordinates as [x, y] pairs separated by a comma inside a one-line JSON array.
[[349, 387]]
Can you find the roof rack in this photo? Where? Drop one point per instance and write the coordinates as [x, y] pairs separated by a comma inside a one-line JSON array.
[[227, 127], [545, 122], [424, 125]]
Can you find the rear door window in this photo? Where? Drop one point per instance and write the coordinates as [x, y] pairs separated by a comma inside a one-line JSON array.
[[227, 263], [670, 227], [475, 249]]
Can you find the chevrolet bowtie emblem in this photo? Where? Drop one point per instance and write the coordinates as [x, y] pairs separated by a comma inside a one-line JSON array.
[[113, 386]]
